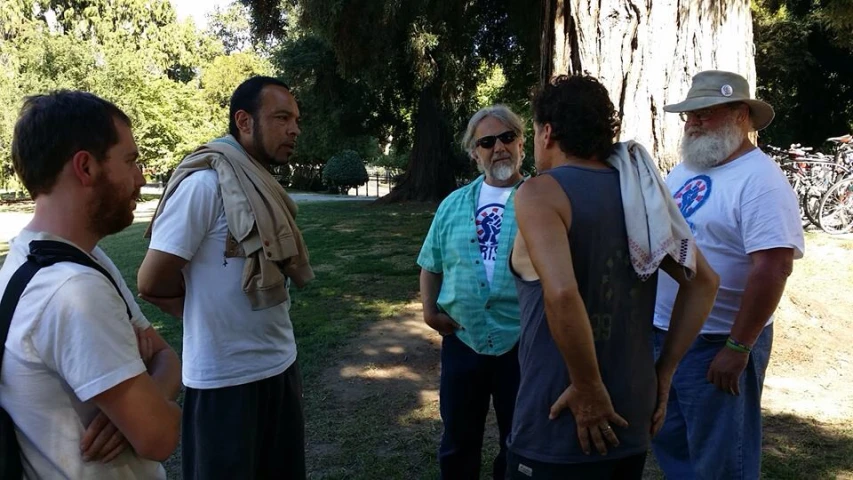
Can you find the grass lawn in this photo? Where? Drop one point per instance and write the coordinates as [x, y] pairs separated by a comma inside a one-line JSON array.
[[364, 259]]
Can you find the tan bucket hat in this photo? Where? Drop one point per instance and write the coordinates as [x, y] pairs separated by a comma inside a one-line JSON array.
[[716, 87]]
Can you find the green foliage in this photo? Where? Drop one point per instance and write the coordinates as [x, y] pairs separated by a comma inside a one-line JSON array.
[[393, 162], [489, 89], [231, 26], [336, 114], [221, 77], [172, 80], [344, 171], [371, 68], [804, 64]]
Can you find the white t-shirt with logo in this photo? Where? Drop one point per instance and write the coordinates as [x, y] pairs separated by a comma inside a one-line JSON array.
[[226, 343], [70, 340], [489, 218], [744, 206]]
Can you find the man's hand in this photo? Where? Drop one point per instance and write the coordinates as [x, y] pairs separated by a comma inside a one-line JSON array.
[[146, 346], [726, 369], [593, 414], [664, 383], [442, 323], [102, 441], [174, 306]]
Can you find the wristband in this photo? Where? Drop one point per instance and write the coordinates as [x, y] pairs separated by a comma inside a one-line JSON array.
[[737, 346]]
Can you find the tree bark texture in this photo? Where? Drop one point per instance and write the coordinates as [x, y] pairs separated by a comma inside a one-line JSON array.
[[429, 176], [646, 52]]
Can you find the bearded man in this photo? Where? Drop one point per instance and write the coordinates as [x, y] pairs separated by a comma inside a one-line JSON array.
[[224, 248], [469, 294], [745, 219], [88, 382]]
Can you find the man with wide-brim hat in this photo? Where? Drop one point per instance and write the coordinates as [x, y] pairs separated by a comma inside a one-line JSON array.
[[744, 216], [715, 87]]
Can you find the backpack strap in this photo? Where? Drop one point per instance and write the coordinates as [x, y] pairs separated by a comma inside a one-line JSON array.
[[13, 292], [48, 252], [43, 253]]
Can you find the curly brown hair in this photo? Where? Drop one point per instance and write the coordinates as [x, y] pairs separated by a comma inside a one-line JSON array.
[[583, 120]]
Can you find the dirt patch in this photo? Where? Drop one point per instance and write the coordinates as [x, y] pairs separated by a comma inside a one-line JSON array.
[[810, 369], [381, 389], [374, 411], [402, 348]]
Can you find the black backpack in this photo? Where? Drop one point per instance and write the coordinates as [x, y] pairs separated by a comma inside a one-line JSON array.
[[43, 253]]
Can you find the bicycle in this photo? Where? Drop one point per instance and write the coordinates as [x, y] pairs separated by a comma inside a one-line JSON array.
[[835, 215]]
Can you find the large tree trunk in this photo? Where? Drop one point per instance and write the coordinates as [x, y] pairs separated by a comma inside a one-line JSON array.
[[429, 175], [645, 53]]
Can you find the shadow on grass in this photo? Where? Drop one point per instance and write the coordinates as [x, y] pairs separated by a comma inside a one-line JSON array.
[[373, 412], [364, 260], [796, 448]]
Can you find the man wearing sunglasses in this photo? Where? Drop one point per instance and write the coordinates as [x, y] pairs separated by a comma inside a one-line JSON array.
[[469, 296]]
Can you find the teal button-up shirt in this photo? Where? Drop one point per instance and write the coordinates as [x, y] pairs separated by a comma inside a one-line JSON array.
[[489, 314]]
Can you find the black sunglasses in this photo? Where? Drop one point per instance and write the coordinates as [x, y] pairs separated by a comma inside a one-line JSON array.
[[489, 141]]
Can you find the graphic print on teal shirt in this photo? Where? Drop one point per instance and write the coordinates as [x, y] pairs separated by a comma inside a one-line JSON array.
[[489, 221]]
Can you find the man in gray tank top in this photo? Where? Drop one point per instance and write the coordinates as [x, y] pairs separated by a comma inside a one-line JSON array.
[[591, 394]]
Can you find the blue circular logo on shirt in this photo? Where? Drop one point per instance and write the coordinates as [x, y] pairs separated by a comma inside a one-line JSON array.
[[693, 194]]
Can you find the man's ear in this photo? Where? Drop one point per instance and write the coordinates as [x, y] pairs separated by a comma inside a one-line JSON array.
[[85, 168], [245, 123], [546, 135]]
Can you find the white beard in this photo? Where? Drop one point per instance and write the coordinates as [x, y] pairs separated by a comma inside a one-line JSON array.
[[502, 171], [712, 147]]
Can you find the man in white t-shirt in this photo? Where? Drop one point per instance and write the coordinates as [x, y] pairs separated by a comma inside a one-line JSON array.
[[469, 296], [745, 219], [84, 374], [243, 410]]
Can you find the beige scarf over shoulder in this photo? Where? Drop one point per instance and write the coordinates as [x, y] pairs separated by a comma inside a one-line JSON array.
[[260, 216]]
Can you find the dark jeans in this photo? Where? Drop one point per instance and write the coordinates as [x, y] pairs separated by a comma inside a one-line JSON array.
[[251, 431], [468, 381], [627, 468]]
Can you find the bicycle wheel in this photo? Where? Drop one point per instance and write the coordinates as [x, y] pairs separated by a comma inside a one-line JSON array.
[[835, 215], [809, 207]]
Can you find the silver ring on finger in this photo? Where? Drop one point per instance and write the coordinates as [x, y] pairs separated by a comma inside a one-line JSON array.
[[605, 428]]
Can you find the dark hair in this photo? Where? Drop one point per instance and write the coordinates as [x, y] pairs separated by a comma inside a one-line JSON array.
[[247, 97], [51, 128], [583, 120]]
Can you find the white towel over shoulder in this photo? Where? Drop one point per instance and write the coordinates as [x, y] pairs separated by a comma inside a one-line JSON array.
[[655, 225]]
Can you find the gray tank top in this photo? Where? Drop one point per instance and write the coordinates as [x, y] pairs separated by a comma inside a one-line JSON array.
[[621, 310]]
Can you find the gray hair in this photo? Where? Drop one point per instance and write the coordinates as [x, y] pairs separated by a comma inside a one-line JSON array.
[[500, 112]]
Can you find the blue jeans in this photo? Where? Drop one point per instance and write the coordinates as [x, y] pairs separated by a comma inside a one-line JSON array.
[[468, 381], [710, 434]]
